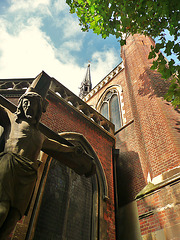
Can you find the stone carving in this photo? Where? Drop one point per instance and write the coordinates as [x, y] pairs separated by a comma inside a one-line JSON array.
[[22, 144]]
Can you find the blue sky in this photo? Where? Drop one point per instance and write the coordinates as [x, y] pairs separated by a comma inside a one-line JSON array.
[[38, 35]]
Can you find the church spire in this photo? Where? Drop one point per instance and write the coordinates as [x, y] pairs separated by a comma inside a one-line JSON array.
[[86, 85]]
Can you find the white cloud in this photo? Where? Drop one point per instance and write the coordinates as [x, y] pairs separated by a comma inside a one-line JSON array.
[[23, 50], [30, 6], [60, 5], [76, 46], [31, 51], [26, 50], [102, 64], [69, 25], [58, 10], [35, 22], [64, 52]]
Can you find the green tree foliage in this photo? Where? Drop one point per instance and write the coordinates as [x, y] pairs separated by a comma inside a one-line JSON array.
[[148, 17]]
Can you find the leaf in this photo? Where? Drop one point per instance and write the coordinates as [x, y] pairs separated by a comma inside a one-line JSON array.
[[152, 47], [152, 54], [155, 65], [176, 48], [122, 42], [158, 47], [147, 17], [169, 47]]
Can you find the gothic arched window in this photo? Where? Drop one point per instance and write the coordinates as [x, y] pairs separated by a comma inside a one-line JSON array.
[[69, 206], [110, 108], [66, 207]]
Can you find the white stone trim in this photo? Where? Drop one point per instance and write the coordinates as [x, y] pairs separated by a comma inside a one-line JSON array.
[[160, 178]]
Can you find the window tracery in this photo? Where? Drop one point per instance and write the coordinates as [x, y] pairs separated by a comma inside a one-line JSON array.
[[110, 107]]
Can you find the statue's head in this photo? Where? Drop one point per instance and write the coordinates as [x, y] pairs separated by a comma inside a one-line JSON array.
[[30, 107]]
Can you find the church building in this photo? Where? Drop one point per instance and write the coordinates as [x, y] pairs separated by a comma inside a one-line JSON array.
[[133, 136]]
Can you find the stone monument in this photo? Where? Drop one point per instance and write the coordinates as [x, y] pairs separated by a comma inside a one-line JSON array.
[[21, 143]]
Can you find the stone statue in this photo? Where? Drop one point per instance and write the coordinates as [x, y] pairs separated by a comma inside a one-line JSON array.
[[18, 162]]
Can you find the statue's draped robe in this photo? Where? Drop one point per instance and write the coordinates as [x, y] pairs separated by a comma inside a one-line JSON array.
[[17, 180]]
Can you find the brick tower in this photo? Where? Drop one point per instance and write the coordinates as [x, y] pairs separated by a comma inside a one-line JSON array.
[[147, 154]]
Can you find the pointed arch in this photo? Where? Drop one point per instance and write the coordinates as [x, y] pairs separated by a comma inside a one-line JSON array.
[[77, 138], [69, 205], [110, 105]]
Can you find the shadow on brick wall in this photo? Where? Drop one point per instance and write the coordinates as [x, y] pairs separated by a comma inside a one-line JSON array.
[[178, 126], [152, 84], [130, 179]]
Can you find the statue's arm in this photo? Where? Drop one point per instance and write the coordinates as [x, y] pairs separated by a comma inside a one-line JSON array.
[[72, 156], [50, 144], [4, 116], [4, 126]]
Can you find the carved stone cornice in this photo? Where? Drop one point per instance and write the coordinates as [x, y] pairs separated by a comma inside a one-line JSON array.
[[16, 87]]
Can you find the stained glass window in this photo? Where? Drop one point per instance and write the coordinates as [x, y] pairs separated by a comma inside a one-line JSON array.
[[110, 108], [104, 110]]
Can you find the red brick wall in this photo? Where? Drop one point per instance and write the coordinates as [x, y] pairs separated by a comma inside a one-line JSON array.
[[129, 170], [163, 209], [156, 122], [62, 118], [154, 136]]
